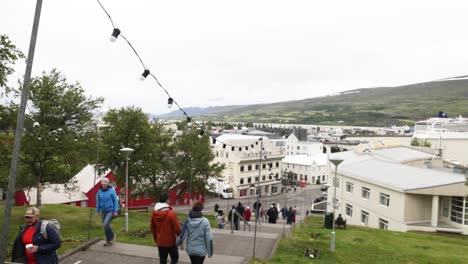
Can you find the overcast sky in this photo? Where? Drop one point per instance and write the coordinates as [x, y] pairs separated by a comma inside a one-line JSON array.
[[209, 53]]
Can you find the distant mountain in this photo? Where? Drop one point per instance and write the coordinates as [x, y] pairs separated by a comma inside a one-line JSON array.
[[199, 111], [381, 106]]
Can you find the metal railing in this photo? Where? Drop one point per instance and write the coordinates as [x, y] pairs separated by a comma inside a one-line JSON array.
[[241, 218]]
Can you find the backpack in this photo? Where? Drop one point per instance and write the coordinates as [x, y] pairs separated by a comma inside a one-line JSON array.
[[54, 223]]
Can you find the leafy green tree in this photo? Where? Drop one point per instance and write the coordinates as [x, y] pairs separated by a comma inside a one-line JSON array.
[[194, 161], [53, 149], [8, 56], [129, 127], [8, 114]]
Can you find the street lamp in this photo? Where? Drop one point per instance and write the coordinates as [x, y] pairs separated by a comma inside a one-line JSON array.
[[335, 162], [126, 152], [284, 182]]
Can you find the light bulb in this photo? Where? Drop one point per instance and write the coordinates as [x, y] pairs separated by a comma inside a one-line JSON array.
[[145, 74], [115, 34], [169, 102]]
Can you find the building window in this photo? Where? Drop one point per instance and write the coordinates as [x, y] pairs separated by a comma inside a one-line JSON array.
[[323, 178], [383, 224], [252, 192], [349, 210], [263, 177], [274, 188], [257, 166], [349, 187], [217, 154], [249, 179], [256, 178], [249, 167], [241, 181], [263, 166], [456, 212], [276, 175], [384, 199], [266, 189], [365, 193], [243, 193], [242, 168], [277, 164], [227, 155], [298, 147], [364, 217]]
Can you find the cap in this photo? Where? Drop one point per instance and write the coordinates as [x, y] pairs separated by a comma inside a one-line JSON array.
[[32, 211], [105, 181]]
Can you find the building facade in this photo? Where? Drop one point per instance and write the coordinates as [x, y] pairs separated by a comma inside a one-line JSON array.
[[309, 169], [248, 165]]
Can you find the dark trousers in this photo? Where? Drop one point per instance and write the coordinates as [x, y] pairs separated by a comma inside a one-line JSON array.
[[197, 259], [164, 251]]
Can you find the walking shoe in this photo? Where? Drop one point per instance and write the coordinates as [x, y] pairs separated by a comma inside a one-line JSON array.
[[107, 243]]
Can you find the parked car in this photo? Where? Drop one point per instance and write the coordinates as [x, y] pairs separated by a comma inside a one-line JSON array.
[[325, 187]]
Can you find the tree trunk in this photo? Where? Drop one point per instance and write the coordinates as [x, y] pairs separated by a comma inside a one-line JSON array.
[[39, 195]]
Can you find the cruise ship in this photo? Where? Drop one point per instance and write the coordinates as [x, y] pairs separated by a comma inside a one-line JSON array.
[[442, 127]]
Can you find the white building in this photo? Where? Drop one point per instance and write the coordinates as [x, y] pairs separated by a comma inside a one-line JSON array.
[[376, 191], [295, 147], [311, 169], [244, 164]]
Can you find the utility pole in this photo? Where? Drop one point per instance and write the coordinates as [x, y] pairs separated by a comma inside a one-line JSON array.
[[19, 132]]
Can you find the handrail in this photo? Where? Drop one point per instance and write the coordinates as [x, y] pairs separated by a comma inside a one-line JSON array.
[[240, 218]]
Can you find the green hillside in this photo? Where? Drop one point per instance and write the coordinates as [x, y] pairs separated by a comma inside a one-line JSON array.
[[364, 245], [364, 107]]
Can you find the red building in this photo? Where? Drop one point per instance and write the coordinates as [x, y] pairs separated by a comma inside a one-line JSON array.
[[85, 193]]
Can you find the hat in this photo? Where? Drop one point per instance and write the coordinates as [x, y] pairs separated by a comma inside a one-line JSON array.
[[105, 181], [32, 211]]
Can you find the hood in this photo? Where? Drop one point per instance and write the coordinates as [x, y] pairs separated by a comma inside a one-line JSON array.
[[195, 222], [161, 207], [161, 210]]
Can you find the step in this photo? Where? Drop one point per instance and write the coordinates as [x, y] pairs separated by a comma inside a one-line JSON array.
[[97, 253]]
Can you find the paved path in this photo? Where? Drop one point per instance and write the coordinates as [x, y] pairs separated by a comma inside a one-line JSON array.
[[236, 248], [135, 254]]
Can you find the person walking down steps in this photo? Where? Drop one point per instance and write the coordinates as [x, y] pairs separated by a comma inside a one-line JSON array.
[[108, 204]]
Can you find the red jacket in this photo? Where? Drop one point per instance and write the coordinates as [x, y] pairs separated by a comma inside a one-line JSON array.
[[164, 225], [247, 214]]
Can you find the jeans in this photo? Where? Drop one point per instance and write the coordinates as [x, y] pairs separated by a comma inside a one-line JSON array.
[[172, 251], [221, 226], [106, 219], [197, 259]]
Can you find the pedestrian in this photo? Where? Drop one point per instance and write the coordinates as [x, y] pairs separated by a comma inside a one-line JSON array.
[[216, 207], [272, 215], [197, 231], [31, 246], [108, 204], [234, 217], [247, 214], [240, 209], [284, 211], [165, 228], [220, 219], [289, 216]]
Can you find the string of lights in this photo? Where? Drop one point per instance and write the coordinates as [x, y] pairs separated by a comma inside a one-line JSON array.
[[116, 32]]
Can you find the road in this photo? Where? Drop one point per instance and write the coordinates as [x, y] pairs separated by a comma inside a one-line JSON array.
[[302, 199]]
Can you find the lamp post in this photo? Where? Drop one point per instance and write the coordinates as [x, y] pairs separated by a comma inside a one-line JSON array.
[[335, 162], [258, 194], [18, 133], [126, 152], [285, 190]]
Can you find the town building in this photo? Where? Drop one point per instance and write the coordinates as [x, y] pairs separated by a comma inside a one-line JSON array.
[[247, 164], [82, 188], [395, 189], [308, 169]]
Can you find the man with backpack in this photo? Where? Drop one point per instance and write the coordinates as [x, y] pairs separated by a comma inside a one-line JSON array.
[[37, 241]]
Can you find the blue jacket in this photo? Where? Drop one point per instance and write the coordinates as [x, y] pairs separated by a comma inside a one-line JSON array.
[[199, 237], [46, 253], [107, 201]]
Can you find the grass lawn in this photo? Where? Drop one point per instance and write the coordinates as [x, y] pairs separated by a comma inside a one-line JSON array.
[[366, 245], [75, 222]]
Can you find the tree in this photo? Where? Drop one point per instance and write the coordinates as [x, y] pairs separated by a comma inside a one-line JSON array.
[[415, 142], [129, 127], [8, 114], [60, 117], [157, 163], [194, 161], [8, 56]]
